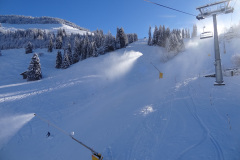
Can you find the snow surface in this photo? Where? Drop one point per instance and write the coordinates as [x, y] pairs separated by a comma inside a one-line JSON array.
[[47, 27], [117, 105]]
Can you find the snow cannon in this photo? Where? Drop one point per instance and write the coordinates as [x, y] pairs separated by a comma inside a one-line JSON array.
[[95, 155], [98, 156]]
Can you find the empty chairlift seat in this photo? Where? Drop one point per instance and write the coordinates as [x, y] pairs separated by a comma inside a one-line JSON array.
[[205, 35]]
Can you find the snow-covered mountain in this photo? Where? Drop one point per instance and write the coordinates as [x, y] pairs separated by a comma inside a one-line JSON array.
[[15, 22], [117, 105]]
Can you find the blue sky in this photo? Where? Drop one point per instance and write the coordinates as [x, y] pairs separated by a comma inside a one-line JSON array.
[[134, 16]]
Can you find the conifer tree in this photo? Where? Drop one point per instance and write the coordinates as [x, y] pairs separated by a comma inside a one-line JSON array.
[[69, 52], [183, 34], [186, 33], [109, 43], [59, 42], [65, 62], [150, 36], [29, 48], [34, 69], [135, 37], [118, 46], [94, 48], [59, 60], [0, 53], [60, 32], [160, 37], [122, 38], [85, 48], [50, 45], [155, 36], [77, 50], [194, 32], [171, 43]]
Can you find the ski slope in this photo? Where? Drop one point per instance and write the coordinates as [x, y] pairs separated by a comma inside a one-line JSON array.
[[117, 105]]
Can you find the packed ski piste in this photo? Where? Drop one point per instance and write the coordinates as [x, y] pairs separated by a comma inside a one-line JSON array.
[[139, 101]]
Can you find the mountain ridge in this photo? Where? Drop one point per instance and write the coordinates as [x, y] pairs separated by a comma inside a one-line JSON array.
[[20, 19]]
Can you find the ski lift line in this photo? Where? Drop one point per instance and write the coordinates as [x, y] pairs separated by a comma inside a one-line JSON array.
[[170, 8], [64, 132]]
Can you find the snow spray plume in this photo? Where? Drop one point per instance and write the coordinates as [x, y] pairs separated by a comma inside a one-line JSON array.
[[10, 126], [116, 66]]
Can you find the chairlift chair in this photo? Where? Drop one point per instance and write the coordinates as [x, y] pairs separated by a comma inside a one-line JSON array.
[[205, 35], [229, 34]]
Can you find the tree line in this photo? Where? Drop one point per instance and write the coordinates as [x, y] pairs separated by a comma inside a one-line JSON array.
[[78, 47], [164, 37]]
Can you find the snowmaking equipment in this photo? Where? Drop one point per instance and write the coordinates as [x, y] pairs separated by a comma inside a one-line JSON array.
[[95, 155], [212, 10]]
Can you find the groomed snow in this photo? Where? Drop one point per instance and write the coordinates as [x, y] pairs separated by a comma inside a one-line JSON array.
[[117, 105]]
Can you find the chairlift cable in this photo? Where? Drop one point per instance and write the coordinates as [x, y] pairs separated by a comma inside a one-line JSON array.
[[170, 8]]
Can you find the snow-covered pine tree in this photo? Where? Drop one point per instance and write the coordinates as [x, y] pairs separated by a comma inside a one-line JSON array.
[[64, 33], [109, 43], [183, 34], [29, 48], [50, 45], [65, 62], [60, 32], [99, 38], [135, 37], [130, 38], [188, 33], [77, 50], [155, 36], [168, 32], [34, 70], [94, 48], [85, 48], [150, 36], [122, 38], [118, 46], [59, 60], [180, 41], [194, 32], [69, 52], [172, 43], [161, 40], [59, 42]]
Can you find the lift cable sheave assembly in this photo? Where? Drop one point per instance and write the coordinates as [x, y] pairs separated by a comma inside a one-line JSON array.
[[64, 132]]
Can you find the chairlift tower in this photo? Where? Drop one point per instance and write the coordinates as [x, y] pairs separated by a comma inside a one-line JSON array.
[[214, 9]]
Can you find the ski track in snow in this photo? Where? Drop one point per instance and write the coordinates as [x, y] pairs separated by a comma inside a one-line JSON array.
[[159, 126], [207, 133], [21, 95]]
